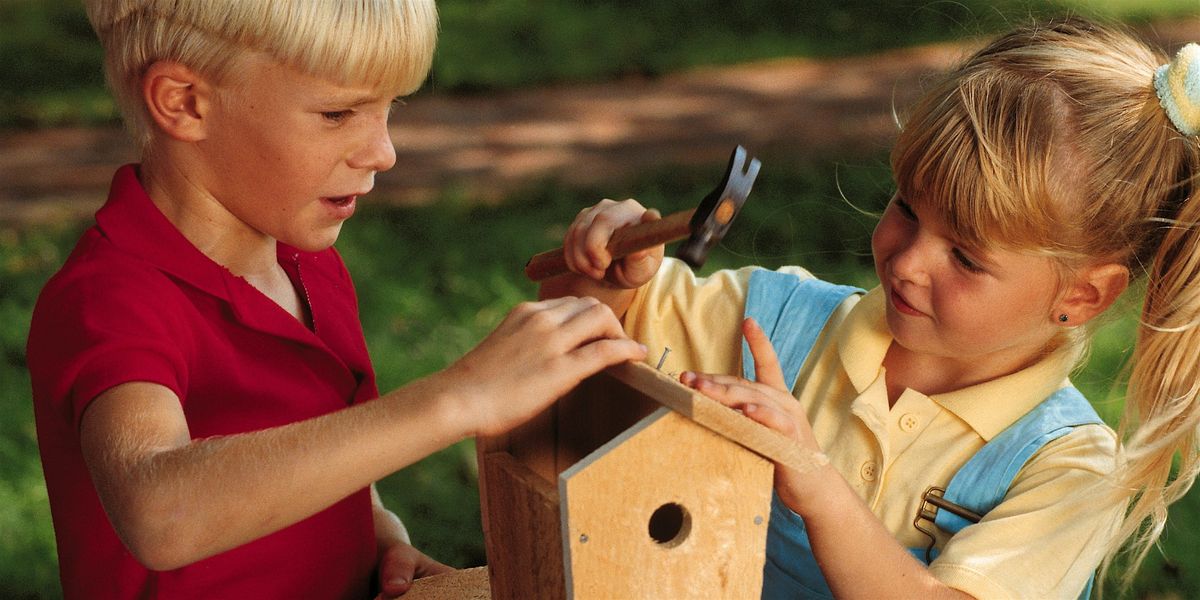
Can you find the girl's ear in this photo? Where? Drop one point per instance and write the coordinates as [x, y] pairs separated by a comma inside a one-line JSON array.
[[177, 99], [1091, 292]]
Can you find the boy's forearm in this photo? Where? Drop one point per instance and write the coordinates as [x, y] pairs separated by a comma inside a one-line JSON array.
[[176, 504]]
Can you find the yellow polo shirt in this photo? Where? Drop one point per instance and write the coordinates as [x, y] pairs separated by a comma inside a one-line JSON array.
[[1043, 541]]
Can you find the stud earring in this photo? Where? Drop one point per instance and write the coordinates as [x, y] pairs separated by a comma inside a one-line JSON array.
[[1063, 318]]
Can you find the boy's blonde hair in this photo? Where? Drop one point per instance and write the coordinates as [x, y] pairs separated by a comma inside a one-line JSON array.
[[1051, 139], [386, 44]]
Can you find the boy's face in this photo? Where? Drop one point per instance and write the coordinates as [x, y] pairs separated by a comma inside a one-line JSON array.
[[290, 153], [985, 311]]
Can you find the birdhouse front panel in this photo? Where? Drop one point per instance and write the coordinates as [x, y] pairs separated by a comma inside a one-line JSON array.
[[667, 509]]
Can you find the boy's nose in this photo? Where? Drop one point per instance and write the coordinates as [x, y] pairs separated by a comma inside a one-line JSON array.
[[378, 153]]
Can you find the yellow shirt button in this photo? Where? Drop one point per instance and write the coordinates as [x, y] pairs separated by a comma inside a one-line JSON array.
[[909, 422], [867, 471]]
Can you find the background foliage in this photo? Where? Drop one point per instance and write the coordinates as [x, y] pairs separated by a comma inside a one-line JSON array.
[[421, 309], [52, 74]]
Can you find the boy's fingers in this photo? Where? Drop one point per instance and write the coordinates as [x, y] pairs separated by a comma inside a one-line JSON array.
[[766, 364], [588, 320], [397, 570], [596, 355]]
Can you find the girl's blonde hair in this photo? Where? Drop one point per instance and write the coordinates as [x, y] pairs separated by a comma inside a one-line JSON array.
[[1052, 139], [386, 44]]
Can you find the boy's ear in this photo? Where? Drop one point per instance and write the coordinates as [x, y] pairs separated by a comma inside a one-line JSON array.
[[1092, 291], [177, 99]]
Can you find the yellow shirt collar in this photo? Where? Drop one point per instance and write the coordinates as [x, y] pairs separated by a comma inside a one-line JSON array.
[[988, 407]]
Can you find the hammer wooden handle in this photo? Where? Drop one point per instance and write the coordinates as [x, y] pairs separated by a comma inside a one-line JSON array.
[[625, 241]]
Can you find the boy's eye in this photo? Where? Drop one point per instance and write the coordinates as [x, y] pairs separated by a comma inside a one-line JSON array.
[[337, 116]]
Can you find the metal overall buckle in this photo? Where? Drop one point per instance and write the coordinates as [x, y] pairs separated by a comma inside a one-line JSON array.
[[931, 501]]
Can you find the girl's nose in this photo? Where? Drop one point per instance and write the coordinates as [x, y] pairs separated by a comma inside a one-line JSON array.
[[910, 262], [378, 153]]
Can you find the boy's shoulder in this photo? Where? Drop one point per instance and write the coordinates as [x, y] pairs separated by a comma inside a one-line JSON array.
[[99, 278]]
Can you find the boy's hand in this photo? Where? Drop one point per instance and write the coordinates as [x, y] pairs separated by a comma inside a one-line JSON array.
[[537, 354], [400, 564], [766, 400], [586, 241]]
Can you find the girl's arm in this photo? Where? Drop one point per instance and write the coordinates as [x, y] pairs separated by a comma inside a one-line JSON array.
[[859, 557], [174, 500], [593, 271]]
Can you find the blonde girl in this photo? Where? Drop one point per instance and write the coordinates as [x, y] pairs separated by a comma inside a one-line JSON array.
[[1034, 183]]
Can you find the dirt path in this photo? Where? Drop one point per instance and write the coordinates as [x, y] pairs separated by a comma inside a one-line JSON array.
[[489, 145]]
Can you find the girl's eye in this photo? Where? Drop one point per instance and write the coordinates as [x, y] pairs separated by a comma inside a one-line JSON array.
[[337, 116], [906, 210], [966, 261]]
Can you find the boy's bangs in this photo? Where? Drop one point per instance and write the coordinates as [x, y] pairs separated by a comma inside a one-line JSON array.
[[384, 44], [980, 170]]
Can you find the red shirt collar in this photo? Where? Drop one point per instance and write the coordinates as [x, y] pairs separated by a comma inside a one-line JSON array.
[[131, 222]]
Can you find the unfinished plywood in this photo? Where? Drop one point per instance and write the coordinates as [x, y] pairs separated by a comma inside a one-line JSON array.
[[607, 494], [715, 416], [464, 584], [666, 510]]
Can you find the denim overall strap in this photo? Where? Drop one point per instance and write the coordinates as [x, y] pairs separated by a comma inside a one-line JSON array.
[[792, 312], [984, 480]]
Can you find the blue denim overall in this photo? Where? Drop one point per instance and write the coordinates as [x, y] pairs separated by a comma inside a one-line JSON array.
[[792, 312]]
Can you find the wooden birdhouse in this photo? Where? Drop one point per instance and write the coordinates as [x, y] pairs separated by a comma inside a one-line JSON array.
[[632, 486]]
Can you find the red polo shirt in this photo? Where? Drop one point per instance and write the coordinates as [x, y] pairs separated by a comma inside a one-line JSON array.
[[136, 301]]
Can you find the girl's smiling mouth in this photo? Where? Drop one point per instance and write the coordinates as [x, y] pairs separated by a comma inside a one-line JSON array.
[[903, 306]]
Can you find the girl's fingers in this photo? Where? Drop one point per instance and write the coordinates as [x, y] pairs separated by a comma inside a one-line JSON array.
[[729, 390], [609, 217], [575, 250], [766, 364], [752, 399]]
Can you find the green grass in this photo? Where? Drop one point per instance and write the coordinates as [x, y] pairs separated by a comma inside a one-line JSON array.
[[434, 280], [51, 74]]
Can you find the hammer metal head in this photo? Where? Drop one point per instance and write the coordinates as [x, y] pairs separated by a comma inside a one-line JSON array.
[[718, 209]]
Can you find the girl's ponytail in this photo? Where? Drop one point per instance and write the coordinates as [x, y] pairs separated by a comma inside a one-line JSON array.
[[1162, 408]]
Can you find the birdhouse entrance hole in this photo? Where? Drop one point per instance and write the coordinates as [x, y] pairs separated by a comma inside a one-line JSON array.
[[670, 525]]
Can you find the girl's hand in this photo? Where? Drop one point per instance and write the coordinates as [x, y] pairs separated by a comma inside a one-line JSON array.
[[537, 354], [767, 401], [586, 241], [400, 564]]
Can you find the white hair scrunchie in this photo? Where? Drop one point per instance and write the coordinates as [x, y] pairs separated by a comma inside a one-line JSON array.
[[1178, 87]]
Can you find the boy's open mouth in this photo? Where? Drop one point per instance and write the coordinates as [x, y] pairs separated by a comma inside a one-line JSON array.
[[341, 200]]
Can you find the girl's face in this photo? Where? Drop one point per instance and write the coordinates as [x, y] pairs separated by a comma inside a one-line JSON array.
[[292, 152], [988, 313]]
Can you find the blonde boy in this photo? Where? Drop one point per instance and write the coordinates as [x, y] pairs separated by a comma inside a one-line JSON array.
[[207, 413]]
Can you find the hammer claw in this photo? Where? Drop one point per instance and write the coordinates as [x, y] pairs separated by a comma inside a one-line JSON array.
[[704, 226]]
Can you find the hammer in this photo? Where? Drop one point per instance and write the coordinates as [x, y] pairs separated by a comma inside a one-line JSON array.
[[703, 226]]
